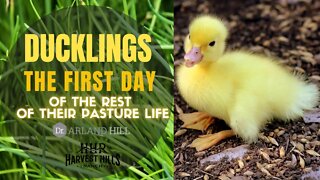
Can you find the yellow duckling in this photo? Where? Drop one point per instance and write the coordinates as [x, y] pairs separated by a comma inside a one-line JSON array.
[[244, 89]]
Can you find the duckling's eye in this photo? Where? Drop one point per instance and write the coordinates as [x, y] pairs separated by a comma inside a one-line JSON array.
[[189, 36], [212, 43]]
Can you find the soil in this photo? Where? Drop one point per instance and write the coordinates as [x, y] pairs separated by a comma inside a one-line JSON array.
[[287, 29]]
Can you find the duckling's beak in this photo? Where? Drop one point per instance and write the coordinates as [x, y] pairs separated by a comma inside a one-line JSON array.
[[193, 57]]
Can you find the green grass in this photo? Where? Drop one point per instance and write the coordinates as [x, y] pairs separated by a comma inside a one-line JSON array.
[[157, 18]]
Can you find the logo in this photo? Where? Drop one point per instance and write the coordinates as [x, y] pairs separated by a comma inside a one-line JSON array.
[[59, 130], [93, 155]]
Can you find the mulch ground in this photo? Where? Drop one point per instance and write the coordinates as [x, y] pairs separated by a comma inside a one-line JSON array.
[[288, 29]]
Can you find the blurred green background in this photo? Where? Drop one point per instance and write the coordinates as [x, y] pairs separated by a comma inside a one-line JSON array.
[[15, 16]]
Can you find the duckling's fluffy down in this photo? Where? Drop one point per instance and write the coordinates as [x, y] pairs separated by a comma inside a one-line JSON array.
[[246, 90]]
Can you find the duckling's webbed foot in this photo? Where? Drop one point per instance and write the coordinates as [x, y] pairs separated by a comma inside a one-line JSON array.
[[197, 120], [206, 141]]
